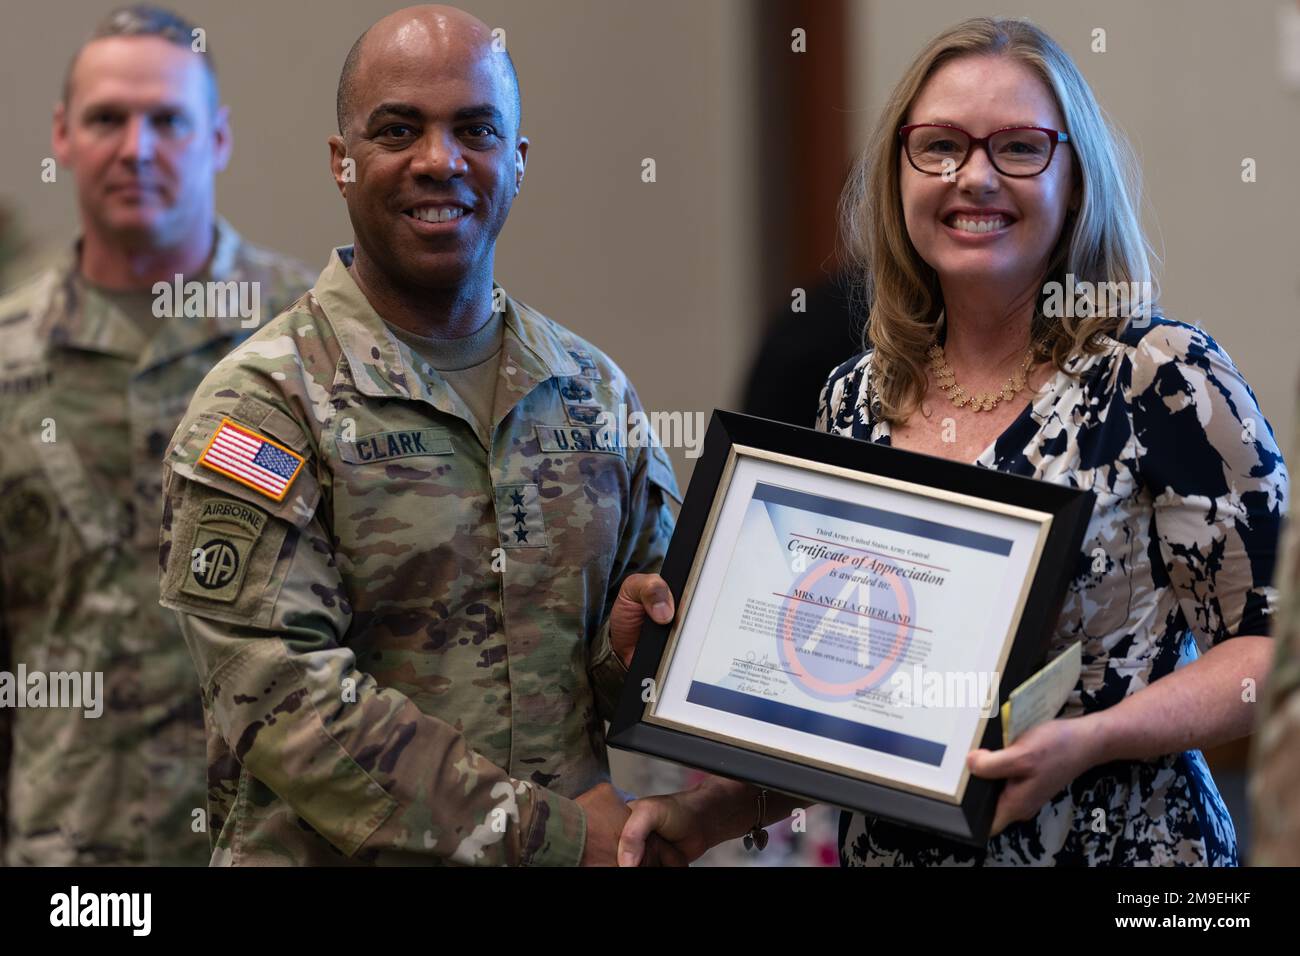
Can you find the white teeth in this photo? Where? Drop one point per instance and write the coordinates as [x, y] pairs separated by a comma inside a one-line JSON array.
[[979, 225], [437, 213]]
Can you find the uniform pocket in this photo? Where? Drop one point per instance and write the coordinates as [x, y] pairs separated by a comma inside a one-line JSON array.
[[66, 564]]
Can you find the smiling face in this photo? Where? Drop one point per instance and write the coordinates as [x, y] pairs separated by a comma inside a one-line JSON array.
[[983, 229], [433, 130], [139, 132]]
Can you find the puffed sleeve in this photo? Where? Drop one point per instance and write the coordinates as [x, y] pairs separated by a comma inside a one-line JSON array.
[[829, 398], [1217, 481], [841, 405]]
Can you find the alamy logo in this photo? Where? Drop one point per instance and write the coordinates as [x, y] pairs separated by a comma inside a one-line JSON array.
[[78, 690], [962, 690], [220, 300], [657, 429], [103, 909], [1080, 299]]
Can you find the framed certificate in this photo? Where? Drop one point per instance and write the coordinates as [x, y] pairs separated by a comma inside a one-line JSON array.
[[849, 618]]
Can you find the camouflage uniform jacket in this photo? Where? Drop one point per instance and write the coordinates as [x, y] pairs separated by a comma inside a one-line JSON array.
[[86, 408], [1275, 757], [401, 625]]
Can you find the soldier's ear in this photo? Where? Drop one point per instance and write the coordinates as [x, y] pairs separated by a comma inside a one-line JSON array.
[[521, 160], [342, 166], [222, 138], [59, 139]]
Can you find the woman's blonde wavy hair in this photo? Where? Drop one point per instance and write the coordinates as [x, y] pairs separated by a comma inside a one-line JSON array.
[[1100, 242]]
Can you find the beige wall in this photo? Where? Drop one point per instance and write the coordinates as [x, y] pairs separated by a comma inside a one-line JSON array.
[[1196, 86], [663, 275], [655, 274]]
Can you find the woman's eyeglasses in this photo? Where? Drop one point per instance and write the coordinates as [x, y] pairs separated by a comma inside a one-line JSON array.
[[936, 148]]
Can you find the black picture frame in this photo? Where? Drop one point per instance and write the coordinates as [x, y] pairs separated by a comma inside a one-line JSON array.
[[967, 822]]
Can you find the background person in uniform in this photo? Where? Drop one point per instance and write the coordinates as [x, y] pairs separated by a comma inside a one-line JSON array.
[[92, 383], [1149, 413], [410, 528], [1275, 761]]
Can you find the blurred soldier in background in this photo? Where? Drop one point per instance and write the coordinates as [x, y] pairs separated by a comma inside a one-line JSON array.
[[100, 715], [1275, 781]]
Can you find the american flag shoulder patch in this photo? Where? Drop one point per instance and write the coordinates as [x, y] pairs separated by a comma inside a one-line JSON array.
[[251, 459]]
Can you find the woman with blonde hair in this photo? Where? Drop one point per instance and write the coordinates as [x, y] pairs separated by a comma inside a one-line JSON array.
[[1013, 324]]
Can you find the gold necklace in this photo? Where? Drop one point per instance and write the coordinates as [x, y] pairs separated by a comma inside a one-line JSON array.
[[984, 402]]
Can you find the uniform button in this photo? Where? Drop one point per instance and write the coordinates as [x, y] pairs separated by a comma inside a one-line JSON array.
[[510, 370]]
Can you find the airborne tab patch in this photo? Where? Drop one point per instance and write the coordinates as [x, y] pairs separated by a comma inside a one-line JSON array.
[[223, 543], [252, 460]]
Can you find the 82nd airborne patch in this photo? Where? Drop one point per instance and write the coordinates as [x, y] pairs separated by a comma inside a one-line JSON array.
[[223, 542]]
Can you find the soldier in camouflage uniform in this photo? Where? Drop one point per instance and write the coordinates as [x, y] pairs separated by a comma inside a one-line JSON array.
[[1275, 777], [92, 384], [411, 616]]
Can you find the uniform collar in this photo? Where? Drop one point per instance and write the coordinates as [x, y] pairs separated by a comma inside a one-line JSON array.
[[383, 366], [109, 332]]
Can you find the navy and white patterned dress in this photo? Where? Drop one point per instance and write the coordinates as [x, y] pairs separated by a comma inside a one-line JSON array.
[[1178, 557]]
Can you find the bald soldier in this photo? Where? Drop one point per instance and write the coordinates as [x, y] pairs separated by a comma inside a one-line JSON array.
[[409, 562], [101, 715]]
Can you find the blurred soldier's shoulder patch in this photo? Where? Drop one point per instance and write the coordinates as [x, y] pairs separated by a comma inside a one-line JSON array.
[[251, 459], [222, 548]]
